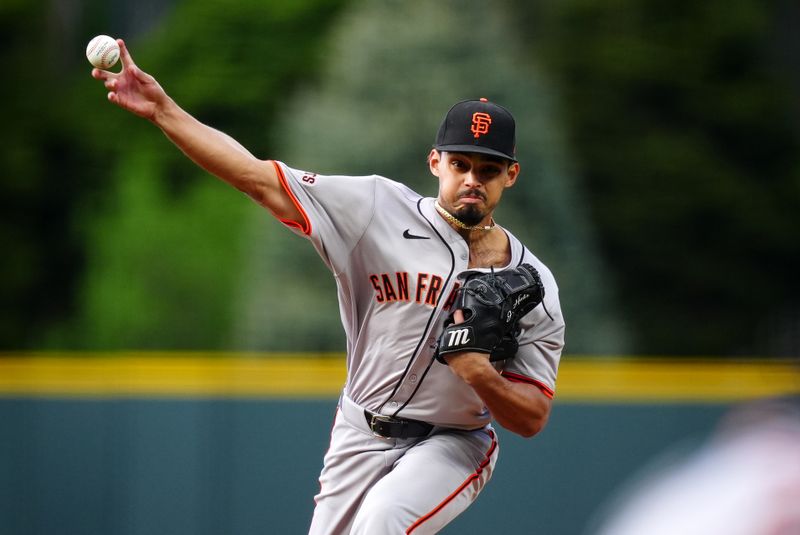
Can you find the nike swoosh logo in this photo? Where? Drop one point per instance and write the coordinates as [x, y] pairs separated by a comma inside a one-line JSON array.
[[407, 235]]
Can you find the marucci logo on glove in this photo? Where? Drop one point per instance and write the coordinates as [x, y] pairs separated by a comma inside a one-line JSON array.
[[492, 304], [459, 337]]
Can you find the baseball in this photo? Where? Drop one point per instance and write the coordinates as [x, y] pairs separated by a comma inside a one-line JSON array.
[[102, 52]]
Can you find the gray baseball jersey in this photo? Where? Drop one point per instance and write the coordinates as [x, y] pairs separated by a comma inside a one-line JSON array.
[[396, 263]]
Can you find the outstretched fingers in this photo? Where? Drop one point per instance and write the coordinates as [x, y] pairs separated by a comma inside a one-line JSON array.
[[100, 74], [131, 88], [125, 55], [127, 64], [111, 79]]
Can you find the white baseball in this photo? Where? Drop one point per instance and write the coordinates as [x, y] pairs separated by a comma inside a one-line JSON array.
[[102, 52]]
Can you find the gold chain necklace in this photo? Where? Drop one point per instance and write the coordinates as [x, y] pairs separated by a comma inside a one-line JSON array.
[[452, 219]]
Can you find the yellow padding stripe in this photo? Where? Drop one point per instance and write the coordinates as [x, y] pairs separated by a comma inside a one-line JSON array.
[[286, 375], [184, 375], [675, 380]]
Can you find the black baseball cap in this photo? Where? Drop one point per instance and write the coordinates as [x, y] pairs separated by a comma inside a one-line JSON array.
[[478, 126]]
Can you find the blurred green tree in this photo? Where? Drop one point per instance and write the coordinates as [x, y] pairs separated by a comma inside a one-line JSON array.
[[394, 69], [685, 126], [163, 240], [658, 142], [42, 252]]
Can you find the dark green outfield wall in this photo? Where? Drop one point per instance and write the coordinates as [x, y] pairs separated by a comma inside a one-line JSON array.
[[234, 467]]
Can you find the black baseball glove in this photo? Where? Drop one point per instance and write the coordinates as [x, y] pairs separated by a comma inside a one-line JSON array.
[[493, 304]]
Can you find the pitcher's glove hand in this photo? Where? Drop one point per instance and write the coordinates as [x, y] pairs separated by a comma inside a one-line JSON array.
[[492, 304]]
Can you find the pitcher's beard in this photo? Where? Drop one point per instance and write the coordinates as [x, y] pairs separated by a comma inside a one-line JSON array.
[[470, 215]]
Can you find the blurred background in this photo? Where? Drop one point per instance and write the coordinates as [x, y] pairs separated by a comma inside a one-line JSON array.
[[660, 183]]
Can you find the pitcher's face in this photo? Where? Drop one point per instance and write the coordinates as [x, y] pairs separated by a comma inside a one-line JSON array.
[[471, 184]]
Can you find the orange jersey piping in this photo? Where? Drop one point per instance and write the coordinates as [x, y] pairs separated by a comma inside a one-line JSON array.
[[305, 226], [514, 377]]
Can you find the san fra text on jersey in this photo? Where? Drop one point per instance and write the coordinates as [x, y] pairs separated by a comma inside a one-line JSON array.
[[423, 289]]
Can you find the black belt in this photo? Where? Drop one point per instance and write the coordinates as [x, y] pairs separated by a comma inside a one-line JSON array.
[[391, 427]]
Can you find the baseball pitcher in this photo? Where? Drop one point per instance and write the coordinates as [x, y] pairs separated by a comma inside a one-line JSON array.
[[451, 322]]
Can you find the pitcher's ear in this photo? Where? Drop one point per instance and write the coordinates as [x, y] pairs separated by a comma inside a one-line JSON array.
[[513, 174], [434, 157]]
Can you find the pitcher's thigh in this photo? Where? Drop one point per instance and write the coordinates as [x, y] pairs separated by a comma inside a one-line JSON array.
[[430, 485], [353, 463]]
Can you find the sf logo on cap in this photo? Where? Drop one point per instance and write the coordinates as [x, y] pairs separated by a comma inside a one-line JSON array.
[[480, 123]]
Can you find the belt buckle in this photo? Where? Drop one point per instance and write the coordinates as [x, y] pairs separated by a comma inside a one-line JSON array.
[[381, 418]]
